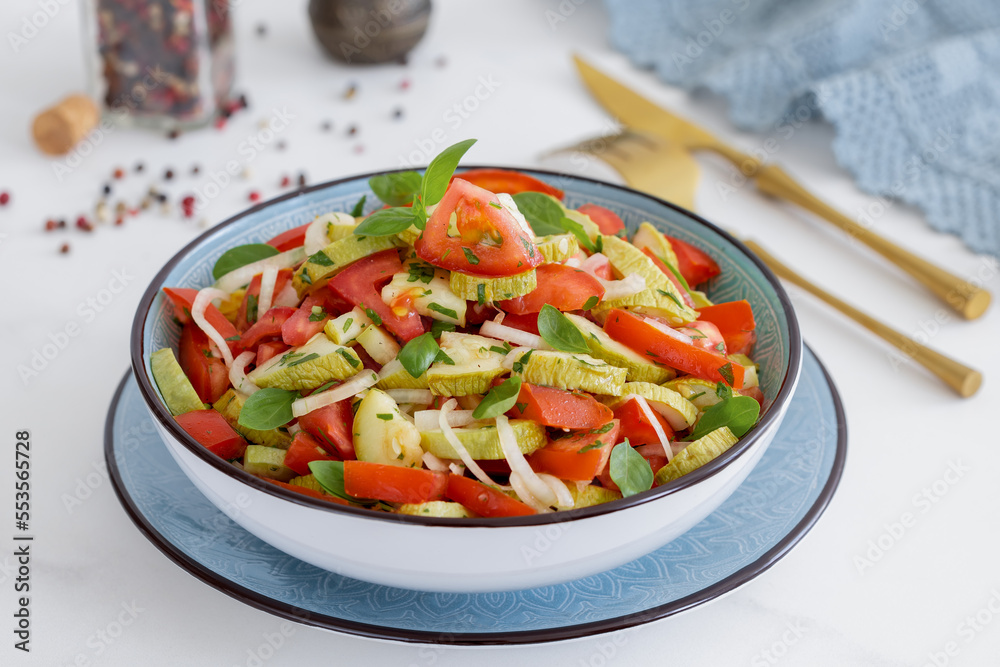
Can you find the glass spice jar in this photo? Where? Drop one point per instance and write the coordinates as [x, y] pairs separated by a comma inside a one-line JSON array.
[[164, 64]]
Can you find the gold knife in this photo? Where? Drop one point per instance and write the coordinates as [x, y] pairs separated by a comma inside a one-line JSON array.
[[637, 112]]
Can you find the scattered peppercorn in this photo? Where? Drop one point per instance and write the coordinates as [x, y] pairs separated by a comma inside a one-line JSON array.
[[404, 84], [173, 134], [351, 91], [84, 224], [254, 195], [195, 170], [441, 61], [302, 179], [107, 189], [261, 29], [352, 130], [359, 148], [61, 223], [326, 126], [281, 145], [139, 167], [285, 181], [4, 198], [397, 113], [51, 225], [119, 221], [168, 174], [118, 173], [64, 248], [243, 101]]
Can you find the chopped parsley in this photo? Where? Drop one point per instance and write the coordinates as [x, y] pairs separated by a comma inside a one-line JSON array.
[[447, 312]]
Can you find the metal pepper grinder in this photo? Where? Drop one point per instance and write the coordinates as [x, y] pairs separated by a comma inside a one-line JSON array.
[[369, 31]]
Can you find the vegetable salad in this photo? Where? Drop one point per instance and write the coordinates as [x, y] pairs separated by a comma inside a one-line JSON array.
[[472, 348]]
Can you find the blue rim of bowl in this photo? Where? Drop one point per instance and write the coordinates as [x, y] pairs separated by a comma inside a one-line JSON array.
[[162, 415], [371, 631]]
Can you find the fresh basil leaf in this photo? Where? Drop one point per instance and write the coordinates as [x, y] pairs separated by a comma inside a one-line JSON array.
[[359, 208], [629, 470], [499, 399], [354, 362], [308, 357], [739, 413], [438, 327], [723, 390], [386, 221], [542, 212], [470, 256], [418, 354], [320, 258], [726, 372], [330, 475], [397, 189], [556, 330], [440, 171], [268, 408], [576, 229], [594, 445], [591, 302], [242, 255]]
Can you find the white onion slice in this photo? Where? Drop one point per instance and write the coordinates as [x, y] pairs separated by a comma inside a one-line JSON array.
[[238, 376], [201, 302], [415, 396], [661, 435], [428, 420], [564, 499], [463, 453], [350, 388], [524, 493], [294, 428], [434, 463], [287, 297], [513, 356], [492, 329], [627, 286], [673, 333], [594, 263], [457, 469], [316, 237], [237, 278], [519, 465], [267, 279], [574, 262]]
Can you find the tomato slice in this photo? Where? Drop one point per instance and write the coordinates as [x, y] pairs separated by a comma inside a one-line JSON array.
[[607, 221], [647, 340], [304, 449], [212, 430], [361, 284], [694, 265], [393, 484], [705, 335], [735, 322], [491, 242], [637, 427], [208, 375], [303, 323], [654, 456], [267, 350], [332, 427], [293, 238], [182, 299], [248, 311], [527, 322], [312, 493], [564, 459], [505, 180], [484, 500], [266, 326], [560, 286], [559, 408], [670, 274]]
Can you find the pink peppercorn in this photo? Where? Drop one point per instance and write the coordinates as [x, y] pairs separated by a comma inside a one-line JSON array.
[[254, 196], [4, 198]]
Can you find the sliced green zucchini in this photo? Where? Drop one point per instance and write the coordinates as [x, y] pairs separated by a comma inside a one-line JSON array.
[[486, 290], [383, 435], [267, 462], [570, 371], [437, 508], [307, 367], [473, 367], [697, 454], [317, 270], [677, 410], [557, 247], [174, 386], [379, 344], [602, 346], [592, 495], [483, 443]]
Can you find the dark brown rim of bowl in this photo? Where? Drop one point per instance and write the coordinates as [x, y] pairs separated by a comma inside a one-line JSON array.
[[160, 412]]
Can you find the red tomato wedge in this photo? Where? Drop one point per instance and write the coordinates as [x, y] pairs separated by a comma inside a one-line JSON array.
[[212, 430], [561, 286], [267, 350], [304, 449], [361, 285], [705, 335], [504, 180], [304, 323], [182, 298], [393, 484], [246, 315], [735, 322], [332, 426], [266, 326], [491, 242], [607, 221], [483, 500], [312, 493], [654, 456], [563, 458], [647, 340], [694, 265], [527, 322], [670, 274], [558, 408], [293, 238], [636, 426], [208, 375]]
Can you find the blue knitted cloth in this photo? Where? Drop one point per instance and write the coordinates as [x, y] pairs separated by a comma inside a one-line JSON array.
[[911, 86]]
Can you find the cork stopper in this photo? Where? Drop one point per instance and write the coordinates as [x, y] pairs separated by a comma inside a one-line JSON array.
[[59, 128]]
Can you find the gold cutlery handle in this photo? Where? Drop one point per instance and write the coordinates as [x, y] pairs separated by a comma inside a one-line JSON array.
[[961, 378], [964, 297]]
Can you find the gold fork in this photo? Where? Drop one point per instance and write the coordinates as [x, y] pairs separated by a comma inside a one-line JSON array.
[[646, 162], [642, 115]]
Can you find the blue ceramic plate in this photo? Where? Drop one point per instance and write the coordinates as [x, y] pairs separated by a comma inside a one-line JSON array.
[[776, 505]]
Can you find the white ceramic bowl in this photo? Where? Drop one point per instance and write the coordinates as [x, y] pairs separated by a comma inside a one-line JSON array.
[[475, 555]]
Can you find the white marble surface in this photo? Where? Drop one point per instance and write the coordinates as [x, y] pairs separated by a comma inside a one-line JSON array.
[[818, 606]]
